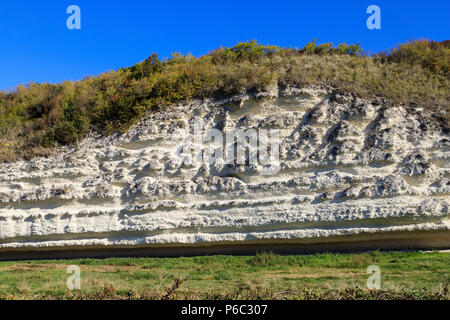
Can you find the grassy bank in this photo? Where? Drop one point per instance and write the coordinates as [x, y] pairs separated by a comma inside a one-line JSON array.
[[404, 275], [36, 118]]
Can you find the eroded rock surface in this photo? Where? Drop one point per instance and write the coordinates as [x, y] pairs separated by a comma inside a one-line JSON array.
[[348, 167]]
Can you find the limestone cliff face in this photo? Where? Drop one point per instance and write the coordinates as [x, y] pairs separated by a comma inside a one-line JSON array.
[[350, 171]]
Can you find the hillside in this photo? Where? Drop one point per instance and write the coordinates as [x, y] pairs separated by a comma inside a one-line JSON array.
[[37, 118]]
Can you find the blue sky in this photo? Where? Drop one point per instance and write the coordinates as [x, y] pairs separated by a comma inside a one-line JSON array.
[[37, 46]]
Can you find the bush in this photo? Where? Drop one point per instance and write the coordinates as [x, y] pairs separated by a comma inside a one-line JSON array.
[[144, 69], [329, 49], [66, 133], [265, 259], [432, 55]]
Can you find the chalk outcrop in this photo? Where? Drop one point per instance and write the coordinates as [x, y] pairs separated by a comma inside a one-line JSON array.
[[350, 171]]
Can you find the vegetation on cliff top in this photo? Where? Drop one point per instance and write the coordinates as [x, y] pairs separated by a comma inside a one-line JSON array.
[[36, 118], [404, 276]]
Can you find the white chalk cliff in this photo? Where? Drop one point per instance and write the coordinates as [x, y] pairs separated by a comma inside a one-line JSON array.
[[351, 171]]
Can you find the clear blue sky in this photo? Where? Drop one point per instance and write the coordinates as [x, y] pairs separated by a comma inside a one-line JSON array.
[[37, 46]]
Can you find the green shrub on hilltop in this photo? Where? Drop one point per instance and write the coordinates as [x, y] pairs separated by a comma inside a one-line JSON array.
[[250, 51], [37, 117]]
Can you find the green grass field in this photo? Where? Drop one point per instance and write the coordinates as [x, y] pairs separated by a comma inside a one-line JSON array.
[[404, 275]]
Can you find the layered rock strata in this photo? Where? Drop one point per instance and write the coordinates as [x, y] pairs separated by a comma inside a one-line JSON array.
[[350, 171]]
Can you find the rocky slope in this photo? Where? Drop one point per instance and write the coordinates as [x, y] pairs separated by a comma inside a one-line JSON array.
[[351, 172]]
